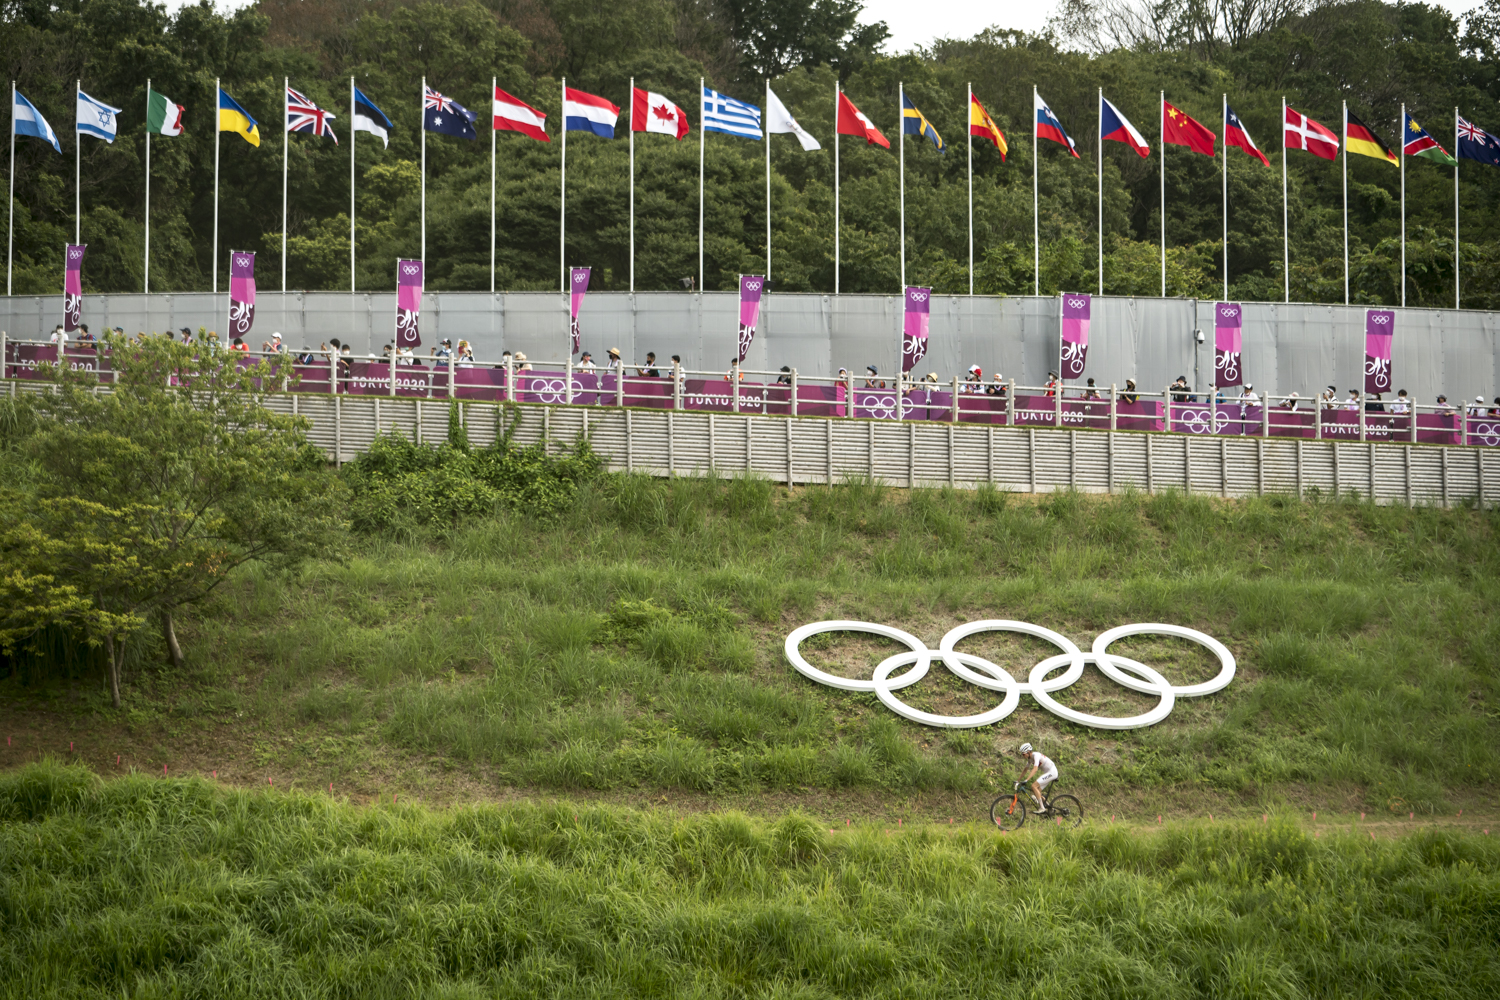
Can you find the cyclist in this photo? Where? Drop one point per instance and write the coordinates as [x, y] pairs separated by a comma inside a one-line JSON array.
[[1042, 769]]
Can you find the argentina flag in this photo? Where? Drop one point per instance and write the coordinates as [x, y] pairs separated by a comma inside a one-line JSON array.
[[722, 113]]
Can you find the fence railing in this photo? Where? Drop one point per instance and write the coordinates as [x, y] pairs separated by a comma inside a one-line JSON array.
[[1175, 410]]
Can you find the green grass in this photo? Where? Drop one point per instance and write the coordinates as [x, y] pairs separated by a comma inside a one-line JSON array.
[[152, 888], [634, 642]]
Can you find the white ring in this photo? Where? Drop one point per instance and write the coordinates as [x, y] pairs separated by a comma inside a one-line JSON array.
[[1038, 685], [917, 646], [1003, 681], [1218, 683]]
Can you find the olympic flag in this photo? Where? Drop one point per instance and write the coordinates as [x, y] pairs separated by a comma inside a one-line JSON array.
[[578, 281], [751, 286], [408, 302], [1380, 325], [914, 329], [73, 287], [241, 293], [1227, 316], [1075, 333]]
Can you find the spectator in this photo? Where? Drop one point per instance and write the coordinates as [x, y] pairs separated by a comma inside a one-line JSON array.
[[649, 370], [843, 374], [520, 362], [240, 345], [1330, 398], [1249, 397], [871, 382], [1130, 396], [465, 357], [614, 364], [785, 378], [1052, 384], [932, 378], [1477, 410], [973, 379], [444, 350], [385, 352], [119, 331], [506, 358], [59, 336], [187, 335], [1351, 405], [586, 362], [1443, 405], [1290, 403], [273, 346], [734, 366], [1091, 391], [1401, 404], [213, 341], [1373, 404], [677, 368], [1181, 391], [1495, 410], [84, 337]]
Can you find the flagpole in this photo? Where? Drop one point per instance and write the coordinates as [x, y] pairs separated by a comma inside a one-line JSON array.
[[494, 82], [1036, 225], [632, 182], [765, 120], [286, 82], [1286, 253], [78, 162], [1224, 124], [146, 267], [901, 138], [422, 117], [1161, 112], [352, 130], [702, 143], [835, 188], [562, 205], [1344, 154], [968, 113], [1099, 149], [1456, 282], [215, 264], [1403, 205], [10, 201]]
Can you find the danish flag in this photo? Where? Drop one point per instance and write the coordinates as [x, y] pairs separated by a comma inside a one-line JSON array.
[[302, 115]]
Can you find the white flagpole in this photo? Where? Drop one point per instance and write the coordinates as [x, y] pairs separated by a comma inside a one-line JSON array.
[[78, 163], [562, 205], [10, 202], [494, 82], [632, 185], [146, 268], [1286, 253], [1161, 113], [835, 186], [968, 114], [351, 185], [286, 82], [1456, 282], [1345, 171], [1403, 205], [901, 138], [1099, 148], [216, 192], [765, 121], [702, 144], [1224, 126], [1036, 225], [422, 117]]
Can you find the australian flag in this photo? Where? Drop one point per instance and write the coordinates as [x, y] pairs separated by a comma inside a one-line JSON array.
[[446, 116], [1474, 143]]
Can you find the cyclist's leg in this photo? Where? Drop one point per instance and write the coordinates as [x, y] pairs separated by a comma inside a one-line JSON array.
[[1039, 786]]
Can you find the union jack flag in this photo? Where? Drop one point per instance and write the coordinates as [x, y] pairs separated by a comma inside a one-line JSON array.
[[302, 115], [1468, 130]]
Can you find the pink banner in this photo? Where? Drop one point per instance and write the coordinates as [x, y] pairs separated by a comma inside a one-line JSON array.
[[914, 326], [408, 302], [1076, 308], [750, 289], [241, 293], [1227, 344], [1380, 325], [73, 286], [578, 284]]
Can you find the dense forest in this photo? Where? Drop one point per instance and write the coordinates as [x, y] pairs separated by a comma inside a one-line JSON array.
[[1316, 54]]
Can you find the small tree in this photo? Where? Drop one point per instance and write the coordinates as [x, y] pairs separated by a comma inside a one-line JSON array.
[[185, 461]]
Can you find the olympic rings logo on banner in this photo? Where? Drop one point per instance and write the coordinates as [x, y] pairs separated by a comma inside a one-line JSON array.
[[242, 262], [1230, 311], [409, 268], [919, 296], [1382, 318], [1039, 684], [579, 279], [75, 254], [1487, 434], [1077, 303]]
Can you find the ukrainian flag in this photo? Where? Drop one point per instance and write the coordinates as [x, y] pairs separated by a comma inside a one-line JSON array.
[[233, 118], [913, 122]]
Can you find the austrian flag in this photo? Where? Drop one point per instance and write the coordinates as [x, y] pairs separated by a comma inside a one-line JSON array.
[[651, 112], [515, 115]]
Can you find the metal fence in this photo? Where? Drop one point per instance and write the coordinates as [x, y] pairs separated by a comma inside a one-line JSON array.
[[1286, 347]]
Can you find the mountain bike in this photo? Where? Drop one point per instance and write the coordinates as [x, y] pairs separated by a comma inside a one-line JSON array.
[[1008, 812]]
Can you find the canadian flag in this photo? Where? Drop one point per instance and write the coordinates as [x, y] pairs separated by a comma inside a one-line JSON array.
[[651, 112]]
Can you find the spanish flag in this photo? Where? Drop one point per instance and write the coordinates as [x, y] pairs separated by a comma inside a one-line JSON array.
[[982, 125], [1359, 138], [233, 118]]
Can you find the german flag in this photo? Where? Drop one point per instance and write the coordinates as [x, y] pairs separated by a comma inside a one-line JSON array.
[[1360, 138]]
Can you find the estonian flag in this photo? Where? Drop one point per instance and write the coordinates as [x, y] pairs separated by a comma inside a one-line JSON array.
[[27, 120], [369, 118], [913, 122]]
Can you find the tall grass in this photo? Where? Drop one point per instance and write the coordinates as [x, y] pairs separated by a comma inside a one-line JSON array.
[[151, 888]]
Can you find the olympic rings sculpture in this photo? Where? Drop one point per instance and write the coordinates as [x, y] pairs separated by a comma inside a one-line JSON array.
[[1039, 684]]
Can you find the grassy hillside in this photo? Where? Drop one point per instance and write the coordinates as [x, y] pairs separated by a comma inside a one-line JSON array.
[[153, 888], [632, 647]]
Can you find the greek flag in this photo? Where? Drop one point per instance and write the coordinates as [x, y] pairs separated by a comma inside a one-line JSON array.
[[722, 113], [96, 118]]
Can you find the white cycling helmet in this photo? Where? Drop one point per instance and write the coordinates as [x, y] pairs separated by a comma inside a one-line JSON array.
[[1024, 748]]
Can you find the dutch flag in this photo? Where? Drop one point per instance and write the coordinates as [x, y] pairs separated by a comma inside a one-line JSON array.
[[588, 113]]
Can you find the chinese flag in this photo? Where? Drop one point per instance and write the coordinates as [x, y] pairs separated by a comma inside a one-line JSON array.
[[1181, 130]]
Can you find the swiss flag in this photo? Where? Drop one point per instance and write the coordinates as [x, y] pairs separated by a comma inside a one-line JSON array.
[[651, 112], [1304, 133], [852, 121]]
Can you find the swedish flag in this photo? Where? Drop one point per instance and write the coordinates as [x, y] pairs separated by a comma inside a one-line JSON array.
[[913, 122], [233, 118]]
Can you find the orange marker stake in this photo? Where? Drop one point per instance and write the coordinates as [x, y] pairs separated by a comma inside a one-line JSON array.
[[216, 775], [1411, 815], [164, 770], [1315, 815], [1158, 819], [1361, 817]]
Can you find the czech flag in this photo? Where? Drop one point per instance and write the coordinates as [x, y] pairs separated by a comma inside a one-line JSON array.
[[1048, 127], [514, 115], [1113, 125], [588, 113], [1235, 134], [852, 121]]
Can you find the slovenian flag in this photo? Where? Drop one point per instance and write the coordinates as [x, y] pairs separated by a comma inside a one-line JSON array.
[[651, 112], [1048, 127], [369, 118], [514, 115], [589, 113], [1113, 125], [27, 120]]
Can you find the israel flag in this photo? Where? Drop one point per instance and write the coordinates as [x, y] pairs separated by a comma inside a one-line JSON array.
[[96, 118], [27, 120], [722, 113]]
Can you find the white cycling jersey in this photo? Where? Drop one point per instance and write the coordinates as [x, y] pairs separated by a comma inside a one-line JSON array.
[[1048, 772]]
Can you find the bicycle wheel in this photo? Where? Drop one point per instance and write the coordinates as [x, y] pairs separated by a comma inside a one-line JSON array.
[[1067, 809], [1008, 812]]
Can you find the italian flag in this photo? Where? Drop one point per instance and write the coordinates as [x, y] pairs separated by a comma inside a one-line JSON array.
[[162, 116]]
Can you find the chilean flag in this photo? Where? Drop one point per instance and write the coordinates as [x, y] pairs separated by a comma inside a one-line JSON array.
[[1113, 125], [1048, 127], [651, 112], [515, 115]]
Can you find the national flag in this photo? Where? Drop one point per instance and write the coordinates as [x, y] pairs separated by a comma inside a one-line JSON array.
[[233, 118], [1115, 126], [369, 118], [1048, 127], [1419, 143], [302, 115], [446, 116], [27, 120], [1235, 134], [1181, 129], [162, 116], [1301, 132], [1360, 138], [982, 125], [514, 115], [588, 113], [96, 118], [780, 121], [651, 112], [913, 122], [1474, 143], [852, 121], [722, 113]]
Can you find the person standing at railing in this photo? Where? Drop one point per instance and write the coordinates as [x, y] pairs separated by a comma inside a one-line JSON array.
[[1248, 397], [734, 367], [1052, 384], [1495, 410], [678, 370], [273, 346], [84, 337], [1092, 391], [1291, 403], [443, 351], [973, 380], [1329, 399], [785, 378], [1351, 405], [871, 382], [613, 364], [1477, 410], [649, 370], [997, 387], [240, 345], [59, 336], [1130, 397], [1444, 406], [586, 363], [1181, 391], [1401, 404], [1373, 404]]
